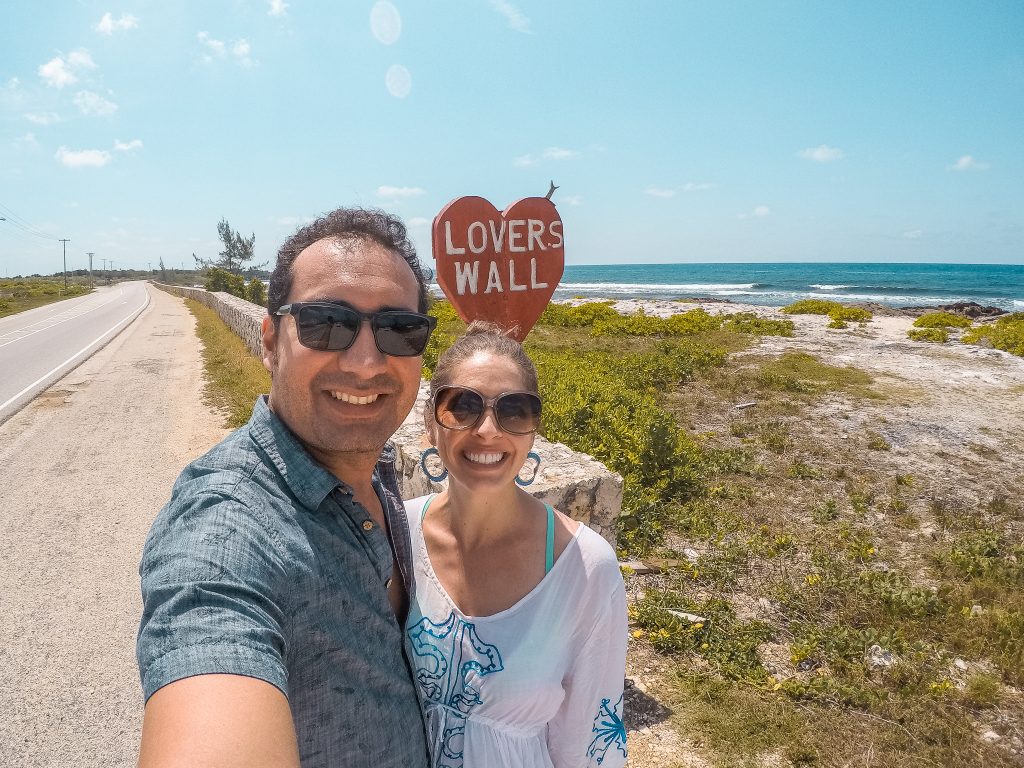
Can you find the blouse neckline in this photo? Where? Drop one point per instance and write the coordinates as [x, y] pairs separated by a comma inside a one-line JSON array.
[[429, 568]]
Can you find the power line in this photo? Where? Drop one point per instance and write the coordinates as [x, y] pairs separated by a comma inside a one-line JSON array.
[[24, 225]]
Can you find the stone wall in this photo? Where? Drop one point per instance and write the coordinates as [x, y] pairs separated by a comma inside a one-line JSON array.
[[572, 482]]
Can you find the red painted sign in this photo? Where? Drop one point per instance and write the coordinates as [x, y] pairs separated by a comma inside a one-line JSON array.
[[501, 266]]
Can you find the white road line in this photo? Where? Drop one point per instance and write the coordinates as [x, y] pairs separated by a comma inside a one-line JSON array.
[[58, 322], [80, 352]]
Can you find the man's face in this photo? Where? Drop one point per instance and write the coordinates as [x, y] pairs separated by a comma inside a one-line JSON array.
[[349, 401]]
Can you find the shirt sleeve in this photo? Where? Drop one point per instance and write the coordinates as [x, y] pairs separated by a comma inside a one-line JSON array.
[[588, 730], [211, 571]]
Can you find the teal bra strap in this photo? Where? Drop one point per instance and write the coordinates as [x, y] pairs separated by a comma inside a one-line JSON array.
[[423, 514], [549, 559]]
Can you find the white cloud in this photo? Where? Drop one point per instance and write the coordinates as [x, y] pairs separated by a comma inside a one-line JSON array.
[[759, 212], [515, 18], [278, 8], [127, 146], [42, 118], [419, 221], [215, 48], [386, 191], [524, 161], [241, 50], [82, 158], [58, 71], [90, 103], [572, 200], [968, 163], [558, 153], [108, 24], [291, 221], [660, 192], [821, 154], [913, 234], [398, 81], [693, 186], [385, 22], [26, 142]]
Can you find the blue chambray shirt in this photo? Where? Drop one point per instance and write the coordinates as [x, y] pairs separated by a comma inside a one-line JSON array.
[[263, 565]]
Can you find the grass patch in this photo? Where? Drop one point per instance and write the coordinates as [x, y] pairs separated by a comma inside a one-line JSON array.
[[234, 377], [936, 335], [942, 320], [22, 294], [1006, 333]]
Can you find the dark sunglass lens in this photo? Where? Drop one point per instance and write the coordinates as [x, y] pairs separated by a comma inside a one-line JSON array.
[[458, 408], [325, 327], [518, 412], [403, 334]]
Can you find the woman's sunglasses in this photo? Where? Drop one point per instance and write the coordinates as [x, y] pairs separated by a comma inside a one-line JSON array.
[[517, 413], [325, 326]]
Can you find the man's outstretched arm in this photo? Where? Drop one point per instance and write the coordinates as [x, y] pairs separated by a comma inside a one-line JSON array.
[[218, 721]]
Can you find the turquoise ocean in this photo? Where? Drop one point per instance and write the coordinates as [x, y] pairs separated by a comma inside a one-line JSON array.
[[779, 284]]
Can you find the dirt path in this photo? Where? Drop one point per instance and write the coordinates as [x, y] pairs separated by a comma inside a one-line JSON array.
[[86, 467]]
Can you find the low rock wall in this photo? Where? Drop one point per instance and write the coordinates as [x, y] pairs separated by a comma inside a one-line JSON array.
[[575, 483]]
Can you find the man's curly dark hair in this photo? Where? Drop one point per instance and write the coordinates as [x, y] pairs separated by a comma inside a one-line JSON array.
[[344, 224]]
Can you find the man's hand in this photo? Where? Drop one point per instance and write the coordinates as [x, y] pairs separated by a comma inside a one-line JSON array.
[[218, 721]]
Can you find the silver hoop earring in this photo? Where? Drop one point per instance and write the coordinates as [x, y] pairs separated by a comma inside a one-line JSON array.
[[423, 465], [523, 482]]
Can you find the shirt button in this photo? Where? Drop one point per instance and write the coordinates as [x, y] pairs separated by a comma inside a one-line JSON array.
[[387, 584], [367, 525]]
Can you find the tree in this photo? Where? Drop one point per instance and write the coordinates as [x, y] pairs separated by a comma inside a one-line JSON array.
[[237, 251], [163, 270]]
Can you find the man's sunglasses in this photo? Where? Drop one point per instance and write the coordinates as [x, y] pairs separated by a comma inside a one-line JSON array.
[[326, 326], [517, 413]]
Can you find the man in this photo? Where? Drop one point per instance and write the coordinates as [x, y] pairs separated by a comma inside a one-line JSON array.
[[275, 580]]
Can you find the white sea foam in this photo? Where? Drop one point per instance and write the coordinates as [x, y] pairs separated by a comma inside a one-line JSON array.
[[830, 287], [656, 287]]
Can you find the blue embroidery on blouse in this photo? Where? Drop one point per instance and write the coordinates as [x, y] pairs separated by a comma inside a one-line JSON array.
[[450, 660], [609, 731]]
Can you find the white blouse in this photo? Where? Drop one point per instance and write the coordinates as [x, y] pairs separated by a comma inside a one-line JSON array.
[[538, 685]]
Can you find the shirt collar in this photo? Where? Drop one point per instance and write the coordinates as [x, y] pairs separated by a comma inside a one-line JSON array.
[[308, 480]]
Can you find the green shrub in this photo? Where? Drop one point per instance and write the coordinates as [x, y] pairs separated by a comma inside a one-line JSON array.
[[221, 280], [942, 320], [256, 292], [748, 322], [839, 313], [1006, 333], [933, 335], [583, 315], [811, 307], [849, 314]]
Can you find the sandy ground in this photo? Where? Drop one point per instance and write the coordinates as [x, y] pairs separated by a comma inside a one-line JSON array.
[[86, 466]]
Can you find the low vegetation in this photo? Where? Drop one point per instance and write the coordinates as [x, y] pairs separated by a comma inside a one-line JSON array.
[[20, 294], [235, 378], [1006, 333], [942, 320], [839, 314], [935, 334]]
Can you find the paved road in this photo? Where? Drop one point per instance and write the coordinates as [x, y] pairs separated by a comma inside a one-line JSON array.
[[84, 468], [39, 346]]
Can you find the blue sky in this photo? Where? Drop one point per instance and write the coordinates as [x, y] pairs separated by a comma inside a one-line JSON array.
[[678, 131]]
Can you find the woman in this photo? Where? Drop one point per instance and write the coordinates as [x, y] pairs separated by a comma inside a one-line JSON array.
[[517, 629]]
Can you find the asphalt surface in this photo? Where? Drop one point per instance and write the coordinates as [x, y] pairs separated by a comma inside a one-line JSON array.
[[39, 346], [84, 468]]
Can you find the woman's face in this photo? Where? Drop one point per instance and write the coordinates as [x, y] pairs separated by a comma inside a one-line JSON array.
[[484, 456]]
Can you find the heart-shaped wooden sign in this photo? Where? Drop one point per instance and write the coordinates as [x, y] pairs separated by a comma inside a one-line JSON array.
[[501, 266]]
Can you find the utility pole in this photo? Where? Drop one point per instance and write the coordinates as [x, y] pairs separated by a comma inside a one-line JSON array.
[[90, 255], [65, 242]]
